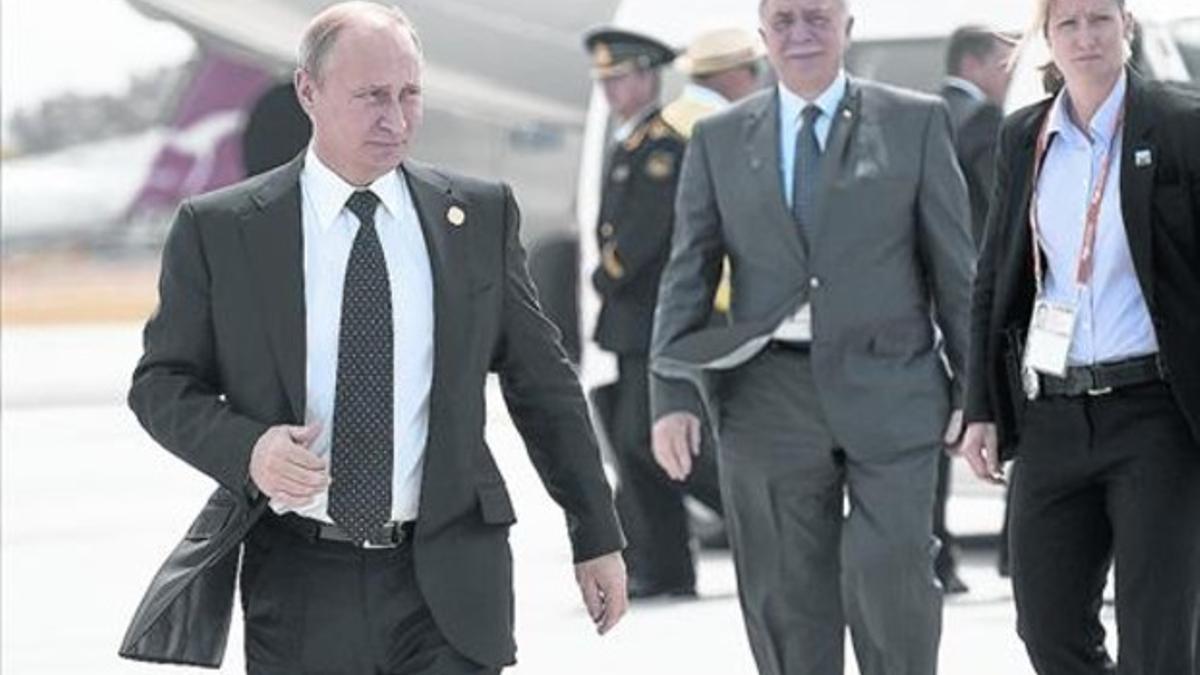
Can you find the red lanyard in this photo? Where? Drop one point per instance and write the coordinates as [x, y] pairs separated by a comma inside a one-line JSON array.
[[1083, 270]]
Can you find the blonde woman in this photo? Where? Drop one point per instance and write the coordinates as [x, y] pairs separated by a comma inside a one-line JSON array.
[[1086, 353]]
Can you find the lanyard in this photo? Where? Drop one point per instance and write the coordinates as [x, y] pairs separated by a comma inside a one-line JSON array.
[[1087, 249]]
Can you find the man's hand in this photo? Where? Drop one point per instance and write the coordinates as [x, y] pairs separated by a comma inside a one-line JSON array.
[[602, 582], [954, 430], [981, 448], [283, 467], [676, 439]]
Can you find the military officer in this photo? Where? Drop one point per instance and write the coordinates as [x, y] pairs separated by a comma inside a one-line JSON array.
[[633, 233]]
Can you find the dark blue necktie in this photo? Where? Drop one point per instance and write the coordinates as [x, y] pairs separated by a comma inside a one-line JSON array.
[[360, 497], [807, 168]]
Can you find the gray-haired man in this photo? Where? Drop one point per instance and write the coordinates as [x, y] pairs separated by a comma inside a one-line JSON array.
[[843, 213]]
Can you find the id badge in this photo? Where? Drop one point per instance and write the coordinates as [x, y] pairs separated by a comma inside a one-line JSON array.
[[1049, 342]]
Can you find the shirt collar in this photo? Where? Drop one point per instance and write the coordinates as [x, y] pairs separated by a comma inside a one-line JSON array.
[[967, 87], [1100, 129], [792, 105], [328, 191], [627, 128]]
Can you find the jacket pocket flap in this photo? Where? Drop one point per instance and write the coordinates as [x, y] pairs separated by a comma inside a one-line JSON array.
[[495, 506]]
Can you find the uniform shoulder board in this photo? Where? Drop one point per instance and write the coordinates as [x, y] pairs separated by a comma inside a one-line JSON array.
[[635, 139], [659, 129], [683, 113]]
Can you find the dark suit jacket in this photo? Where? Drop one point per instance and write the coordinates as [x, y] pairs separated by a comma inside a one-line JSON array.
[[976, 126], [225, 358], [636, 216], [1160, 202]]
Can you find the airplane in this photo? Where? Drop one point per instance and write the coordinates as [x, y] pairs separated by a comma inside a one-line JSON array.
[[505, 95]]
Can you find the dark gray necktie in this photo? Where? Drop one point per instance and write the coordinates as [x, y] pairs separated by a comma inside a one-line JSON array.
[[808, 164], [360, 497]]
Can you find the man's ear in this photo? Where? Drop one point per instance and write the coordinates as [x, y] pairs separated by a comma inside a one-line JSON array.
[[304, 85]]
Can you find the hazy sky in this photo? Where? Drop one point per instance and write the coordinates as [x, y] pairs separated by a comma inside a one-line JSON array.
[[52, 46]]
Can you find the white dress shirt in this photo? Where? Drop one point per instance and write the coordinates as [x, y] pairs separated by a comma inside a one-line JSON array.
[[798, 327], [329, 231], [625, 129], [1113, 321]]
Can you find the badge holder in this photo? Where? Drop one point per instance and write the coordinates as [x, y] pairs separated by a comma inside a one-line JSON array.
[[1048, 344]]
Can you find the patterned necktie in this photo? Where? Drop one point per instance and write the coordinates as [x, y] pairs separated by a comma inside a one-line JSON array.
[[805, 176], [360, 497]]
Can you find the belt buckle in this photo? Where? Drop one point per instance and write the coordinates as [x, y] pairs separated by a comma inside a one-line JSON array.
[[1099, 391], [391, 535]]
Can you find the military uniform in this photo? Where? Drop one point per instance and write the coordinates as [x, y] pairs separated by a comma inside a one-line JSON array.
[[633, 235]]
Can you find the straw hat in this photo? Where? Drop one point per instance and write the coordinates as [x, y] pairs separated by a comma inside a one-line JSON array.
[[720, 50]]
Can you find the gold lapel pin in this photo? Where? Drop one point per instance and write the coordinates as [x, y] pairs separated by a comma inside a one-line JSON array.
[[456, 216]]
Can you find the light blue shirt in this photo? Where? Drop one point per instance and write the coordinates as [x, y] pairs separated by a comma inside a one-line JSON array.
[[1113, 321], [791, 112]]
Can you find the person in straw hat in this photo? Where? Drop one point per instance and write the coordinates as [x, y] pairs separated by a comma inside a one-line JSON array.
[[725, 66]]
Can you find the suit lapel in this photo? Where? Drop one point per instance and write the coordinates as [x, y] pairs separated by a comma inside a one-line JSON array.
[[833, 159], [1019, 269], [434, 197], [1137, 182], [762, 138], [272, 234]]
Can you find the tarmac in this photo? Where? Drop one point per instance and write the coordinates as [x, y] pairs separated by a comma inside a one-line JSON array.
[[90, 506]]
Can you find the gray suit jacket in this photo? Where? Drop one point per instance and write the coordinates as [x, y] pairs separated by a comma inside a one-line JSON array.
[[888, 258]]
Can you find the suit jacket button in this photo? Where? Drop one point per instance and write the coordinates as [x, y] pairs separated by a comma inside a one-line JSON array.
[[814, 283], [606, 230]]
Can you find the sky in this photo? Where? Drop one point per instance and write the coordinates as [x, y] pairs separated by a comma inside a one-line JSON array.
[[48, 47]]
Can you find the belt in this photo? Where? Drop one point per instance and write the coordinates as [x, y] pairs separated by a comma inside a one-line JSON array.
[[390, 535], [1104, 378]]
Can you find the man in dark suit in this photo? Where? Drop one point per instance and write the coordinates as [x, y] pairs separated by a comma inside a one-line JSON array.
[[844, 218], [633, 235], [977, 78], [320, 349]]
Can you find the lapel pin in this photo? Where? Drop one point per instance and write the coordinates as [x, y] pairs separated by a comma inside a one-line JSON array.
[[847, 114], [1143, 158], [456, 216]]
